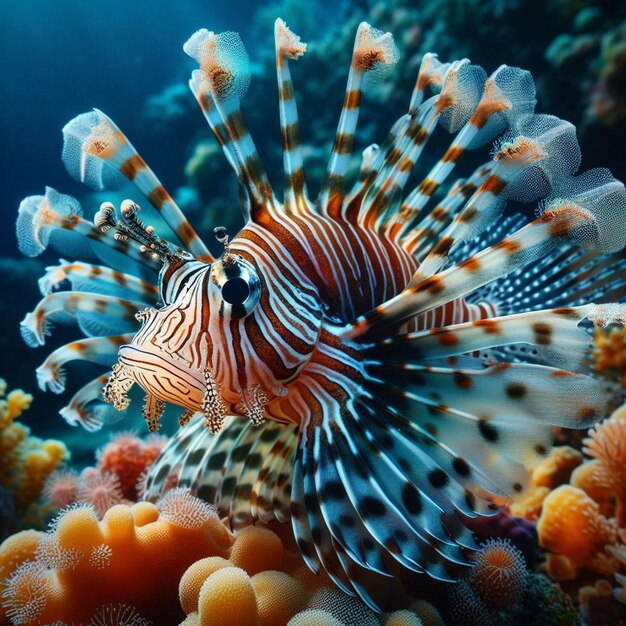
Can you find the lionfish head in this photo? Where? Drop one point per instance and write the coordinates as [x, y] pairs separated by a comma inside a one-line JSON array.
[[206, 348]]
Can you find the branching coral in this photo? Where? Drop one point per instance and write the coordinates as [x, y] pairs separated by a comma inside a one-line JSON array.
[[25, 461], [131, 557], [127, 456]]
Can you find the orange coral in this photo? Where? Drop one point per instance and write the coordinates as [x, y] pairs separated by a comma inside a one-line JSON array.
[[227, 599], [264, 582], [256, 549], [607, 443], [551, 472], [279, 597], [586, 477], [571, 525], [609, 353], [557, 467], [131, 557]]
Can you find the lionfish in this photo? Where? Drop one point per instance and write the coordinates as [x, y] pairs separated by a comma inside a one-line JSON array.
[[374, 366]]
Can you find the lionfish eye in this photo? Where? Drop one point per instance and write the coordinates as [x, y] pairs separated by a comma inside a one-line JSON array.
[[239, 285], [235, 291]]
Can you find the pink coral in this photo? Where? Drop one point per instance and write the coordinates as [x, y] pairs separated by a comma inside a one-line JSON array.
[[128, 457], [61, 488], [100, 489]]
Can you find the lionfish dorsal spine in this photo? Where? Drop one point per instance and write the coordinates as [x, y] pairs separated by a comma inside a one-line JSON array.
[[95, 151], [373, 55], [220, 83], [289, 46]]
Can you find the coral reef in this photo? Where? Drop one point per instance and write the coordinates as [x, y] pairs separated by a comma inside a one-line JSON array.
[[132, 558], [25, 462], [578, 500], [499, 589]]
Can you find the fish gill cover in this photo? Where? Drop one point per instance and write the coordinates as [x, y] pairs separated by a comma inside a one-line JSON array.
[[349, 364]]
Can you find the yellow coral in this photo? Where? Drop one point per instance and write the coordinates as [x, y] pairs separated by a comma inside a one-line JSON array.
[[279, 597], [403, 618], [314, 617], [25, 461], [256, 549], [227, 599], [571, 525], [193, 579]]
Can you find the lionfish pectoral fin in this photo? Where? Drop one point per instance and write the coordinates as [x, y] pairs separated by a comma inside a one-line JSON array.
[[357, 514], [244, 469]]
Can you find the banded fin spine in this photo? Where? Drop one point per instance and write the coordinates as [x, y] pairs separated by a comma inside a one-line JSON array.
[[87, 408], [508, 95], [96, 279], [289, 46], [96, 152], [374, 54], [222, 80], [55, 214], [100, 350], [96, 315]]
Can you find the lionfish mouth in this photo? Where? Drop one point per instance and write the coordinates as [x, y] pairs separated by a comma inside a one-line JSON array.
[[161, 377]]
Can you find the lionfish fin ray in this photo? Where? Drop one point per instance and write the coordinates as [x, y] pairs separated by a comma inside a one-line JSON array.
[[96, 152], [219, 84]]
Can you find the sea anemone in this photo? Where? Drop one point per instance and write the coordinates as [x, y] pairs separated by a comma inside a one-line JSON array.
[[100, 489], [499, 573], [61, 488], [607, 443]]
